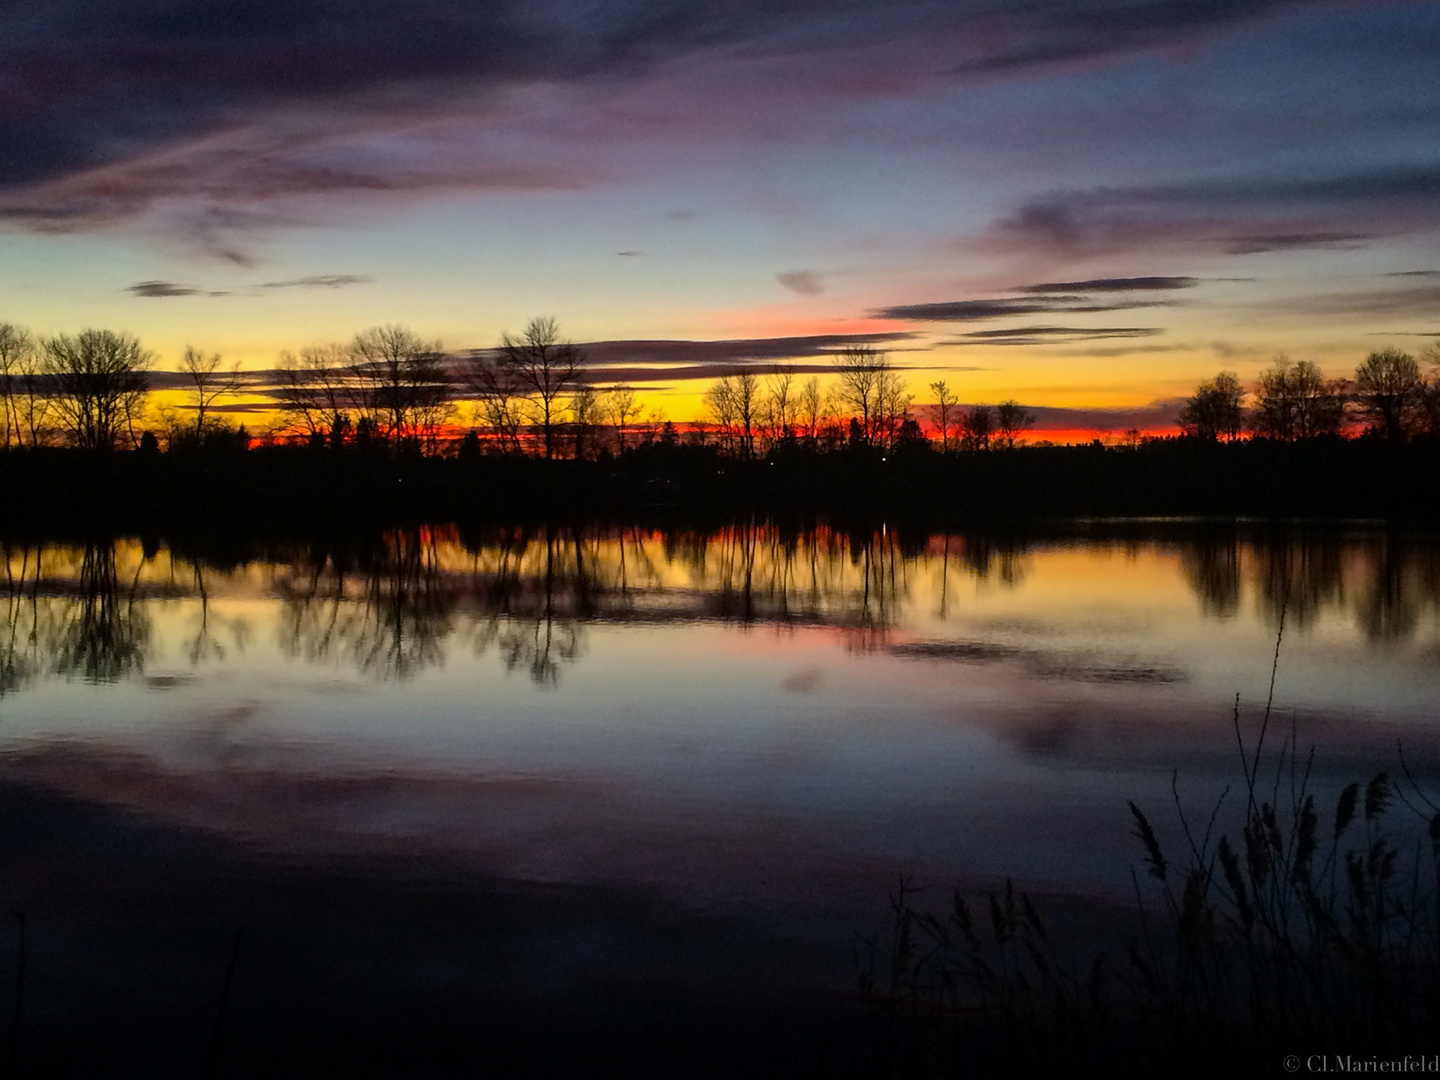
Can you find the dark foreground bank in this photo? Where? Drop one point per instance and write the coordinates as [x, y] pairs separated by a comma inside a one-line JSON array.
[[138, 491]]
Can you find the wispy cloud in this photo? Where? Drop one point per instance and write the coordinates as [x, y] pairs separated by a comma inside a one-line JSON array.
[[981, 310], [1114, 284], [319, 281], [160, 289], [1053, 335]]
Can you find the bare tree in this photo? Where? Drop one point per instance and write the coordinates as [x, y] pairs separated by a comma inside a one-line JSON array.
[[1011, 420], [402, 386], [585, 415], [315, 392], [892, 401], [747, 409], [778, 408], [811, 409], [1391, 393], [1432, 390], [1216, 410], [977, 425], [940, 411], [17, 354], [498, 398], [733, 403], [208, 382], [1295, 401], [622, 411], [546, 367], [861, 370], [720, 406], [99, 380]]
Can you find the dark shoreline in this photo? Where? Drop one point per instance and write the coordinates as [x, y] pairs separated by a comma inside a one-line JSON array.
[[286, 489]]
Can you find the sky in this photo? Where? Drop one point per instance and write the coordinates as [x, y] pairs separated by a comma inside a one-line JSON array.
[[1086, 205]]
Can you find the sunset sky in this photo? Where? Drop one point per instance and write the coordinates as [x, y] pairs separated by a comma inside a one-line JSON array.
[[1083, 204]]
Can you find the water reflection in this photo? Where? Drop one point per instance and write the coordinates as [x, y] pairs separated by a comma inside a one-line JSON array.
[[85, 624], [399, 604]]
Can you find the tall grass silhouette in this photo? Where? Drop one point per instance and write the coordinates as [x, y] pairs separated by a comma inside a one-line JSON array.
[[1313, 931]]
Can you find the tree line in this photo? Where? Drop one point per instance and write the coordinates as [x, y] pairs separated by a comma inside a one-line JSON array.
[[389, 390], [1389, 396]]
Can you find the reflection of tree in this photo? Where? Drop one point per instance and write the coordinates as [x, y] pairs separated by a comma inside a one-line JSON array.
[[536, 589], [986, 556], [1383, 583], [1389, 609], [103, 638], [395, 630], [1301, 577], [19, 658], [1212, 568]]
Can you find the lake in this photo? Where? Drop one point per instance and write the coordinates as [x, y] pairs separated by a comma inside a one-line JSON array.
[[662, 762]]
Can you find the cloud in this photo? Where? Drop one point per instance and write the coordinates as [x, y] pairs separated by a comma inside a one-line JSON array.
[[746, 351], [1265, 242], [1053, 335], [161, 289], [1238, 216], [804, 282], [652, 361], [1046, 35], [629, 254], [1418, 301], [1118, 284], [116, 110], [320, 281], [981, 310]]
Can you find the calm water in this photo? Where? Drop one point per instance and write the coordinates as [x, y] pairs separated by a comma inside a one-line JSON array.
[[745, 721]]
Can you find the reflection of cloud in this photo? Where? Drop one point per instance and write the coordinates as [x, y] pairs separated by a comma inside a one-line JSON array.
[[1044, 663]]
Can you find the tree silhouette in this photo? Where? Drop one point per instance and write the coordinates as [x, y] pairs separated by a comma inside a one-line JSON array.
[[1295, 401], [545, 367], [1215, 411], [811, 410], [99, 381], [315, 394], [860, 372], [941, 410], [208, 382], [402, 386], [622, 411], [585, 415], [17, 356], [1391, 393], [1011, 420], [778, 406], [733, 402], [498, 398], [977, 425]]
